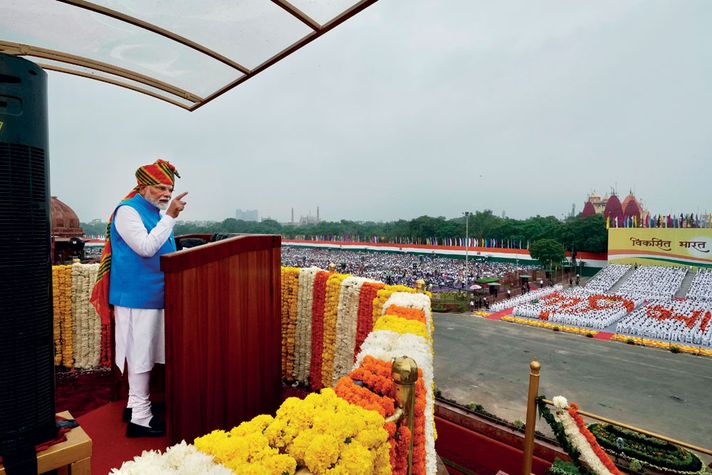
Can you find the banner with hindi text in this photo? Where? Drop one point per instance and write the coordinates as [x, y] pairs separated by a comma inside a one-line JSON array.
[[660, 246]]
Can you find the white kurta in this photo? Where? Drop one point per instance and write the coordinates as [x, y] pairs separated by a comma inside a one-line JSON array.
[[139, 332]]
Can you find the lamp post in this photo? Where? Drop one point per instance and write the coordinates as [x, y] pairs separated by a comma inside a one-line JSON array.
[[467, 244]]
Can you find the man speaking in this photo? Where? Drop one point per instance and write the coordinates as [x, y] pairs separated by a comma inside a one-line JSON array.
[[131, 281]]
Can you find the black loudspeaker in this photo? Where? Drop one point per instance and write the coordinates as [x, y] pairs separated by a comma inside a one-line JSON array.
[[26, 340]]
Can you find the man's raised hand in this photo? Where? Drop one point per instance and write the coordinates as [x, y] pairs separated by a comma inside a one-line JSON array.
[[176, 206]]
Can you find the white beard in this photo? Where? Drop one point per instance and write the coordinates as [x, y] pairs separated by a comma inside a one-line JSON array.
[[158, 204]]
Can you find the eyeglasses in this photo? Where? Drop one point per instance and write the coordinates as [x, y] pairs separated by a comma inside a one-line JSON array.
[[164, 188]]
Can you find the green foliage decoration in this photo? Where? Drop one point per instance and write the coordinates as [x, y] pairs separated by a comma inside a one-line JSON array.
[[646, 449]]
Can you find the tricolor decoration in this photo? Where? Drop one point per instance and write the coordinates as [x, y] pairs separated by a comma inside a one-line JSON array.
[[573, 435]]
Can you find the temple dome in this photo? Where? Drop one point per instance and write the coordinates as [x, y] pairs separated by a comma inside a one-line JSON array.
[[588, 209], [613, 209], [632, 209], [65, 222]]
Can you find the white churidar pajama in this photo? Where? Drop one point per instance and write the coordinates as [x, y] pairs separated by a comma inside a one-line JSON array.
[[139, 332]]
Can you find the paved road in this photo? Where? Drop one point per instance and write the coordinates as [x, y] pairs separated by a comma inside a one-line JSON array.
[[485, 361]]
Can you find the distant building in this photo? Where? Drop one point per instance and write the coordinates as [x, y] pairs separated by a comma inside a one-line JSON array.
[[247, 215], [309, 219], [611, 207]]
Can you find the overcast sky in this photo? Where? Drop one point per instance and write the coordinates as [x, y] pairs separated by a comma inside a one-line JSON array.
[[424, 107]]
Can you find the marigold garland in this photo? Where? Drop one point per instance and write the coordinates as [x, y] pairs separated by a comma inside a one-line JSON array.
[[591, 439], [290, 282], [318, 303], [365, 320], [62, 321], [67, 325], [349, 391], [407, 313], [401, 325], [333, 291], [542, 324], [636, 340]]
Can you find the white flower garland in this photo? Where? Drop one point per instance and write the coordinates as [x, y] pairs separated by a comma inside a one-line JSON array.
[[577, 439], [87, 324], [180, 459], [303, 333], [346, 323]]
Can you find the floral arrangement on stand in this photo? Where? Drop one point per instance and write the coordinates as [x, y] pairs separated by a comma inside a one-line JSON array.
[[341, 430], [575, 438]]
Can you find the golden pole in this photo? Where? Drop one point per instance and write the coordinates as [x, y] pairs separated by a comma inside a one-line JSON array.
[[534, 367], [405, 373]]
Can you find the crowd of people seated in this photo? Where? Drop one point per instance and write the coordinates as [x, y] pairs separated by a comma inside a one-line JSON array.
[[607, 277], [440, 273], [578, 307], [525, 297], [701, 288], [653, 282], [682, 321]]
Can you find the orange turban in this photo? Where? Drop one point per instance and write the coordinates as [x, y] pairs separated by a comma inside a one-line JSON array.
[[160, 172]]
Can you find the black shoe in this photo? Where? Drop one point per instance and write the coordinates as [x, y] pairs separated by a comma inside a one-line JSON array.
[[156, 408], [155, 429]]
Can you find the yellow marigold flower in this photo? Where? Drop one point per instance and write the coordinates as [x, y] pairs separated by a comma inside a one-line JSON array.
[[322, 453], [401, 325], [356, 460]]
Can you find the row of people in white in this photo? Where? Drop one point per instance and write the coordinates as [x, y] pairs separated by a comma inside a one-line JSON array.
[[701, 287], [686, 322], [523, 298], [653, 282], [607, 277]]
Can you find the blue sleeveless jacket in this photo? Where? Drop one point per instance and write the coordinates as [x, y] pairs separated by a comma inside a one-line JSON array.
[[135, 281]]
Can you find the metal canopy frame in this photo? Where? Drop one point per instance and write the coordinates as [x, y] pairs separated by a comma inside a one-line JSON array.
[[154, 87]]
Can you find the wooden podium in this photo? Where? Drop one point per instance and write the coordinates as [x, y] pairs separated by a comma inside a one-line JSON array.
[[223, 334]]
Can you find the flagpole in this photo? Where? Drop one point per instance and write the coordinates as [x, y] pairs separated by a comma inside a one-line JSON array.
[[467, 244]]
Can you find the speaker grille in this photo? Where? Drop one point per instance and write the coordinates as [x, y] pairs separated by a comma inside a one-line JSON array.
[[26, 349]]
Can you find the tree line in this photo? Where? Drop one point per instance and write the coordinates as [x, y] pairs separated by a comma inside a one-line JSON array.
[[574, 233]]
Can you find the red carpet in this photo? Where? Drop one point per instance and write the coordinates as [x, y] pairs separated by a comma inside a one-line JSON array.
[[81, 392], [110, 446], [500, 314], [603, 335]]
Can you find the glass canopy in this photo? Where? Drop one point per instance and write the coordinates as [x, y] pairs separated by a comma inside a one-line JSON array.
[[185, 52]]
